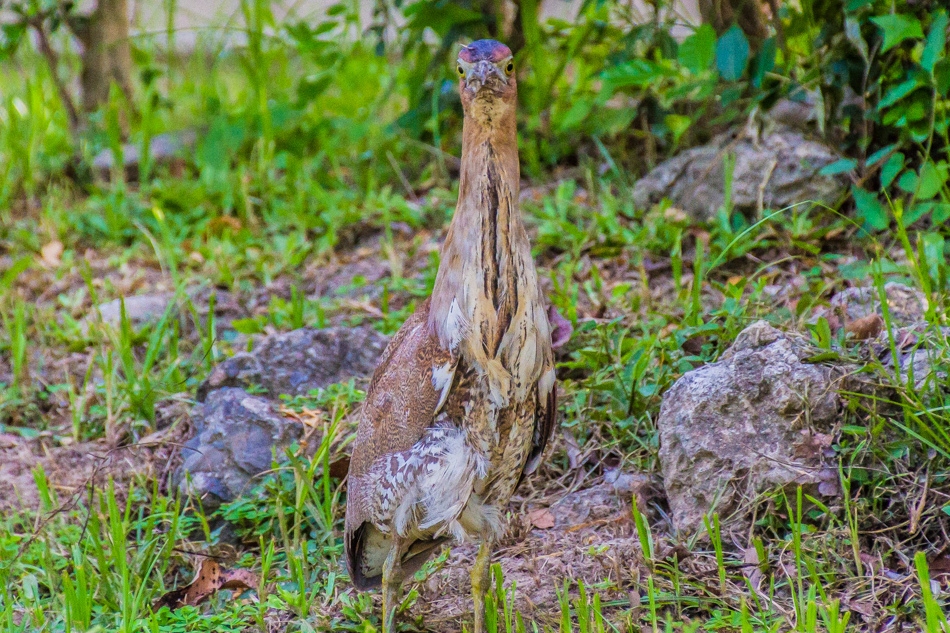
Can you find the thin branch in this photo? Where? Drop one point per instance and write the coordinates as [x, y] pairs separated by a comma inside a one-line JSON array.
[[52, 60]]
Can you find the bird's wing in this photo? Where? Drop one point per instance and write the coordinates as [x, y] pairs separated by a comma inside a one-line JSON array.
[[545, 419], [409, 386]]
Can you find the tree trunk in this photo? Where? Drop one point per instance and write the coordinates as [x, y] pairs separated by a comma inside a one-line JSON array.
[[722, 14], [107, 55]]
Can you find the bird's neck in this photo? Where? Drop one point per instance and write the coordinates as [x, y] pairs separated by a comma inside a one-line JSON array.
[[486, 260]]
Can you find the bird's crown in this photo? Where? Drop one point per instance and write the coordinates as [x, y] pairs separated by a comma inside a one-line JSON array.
[[484, 50]]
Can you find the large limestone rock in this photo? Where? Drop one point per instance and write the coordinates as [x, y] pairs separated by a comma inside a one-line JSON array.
[[780, 165], [237, 437], [756, 420], [294, 363]]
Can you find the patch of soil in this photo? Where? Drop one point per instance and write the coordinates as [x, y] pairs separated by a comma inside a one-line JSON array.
[[585, 536], [70, 469]]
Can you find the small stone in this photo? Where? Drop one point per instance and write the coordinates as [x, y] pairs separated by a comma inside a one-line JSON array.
[[237, 438], [905, 305], [140, 310]]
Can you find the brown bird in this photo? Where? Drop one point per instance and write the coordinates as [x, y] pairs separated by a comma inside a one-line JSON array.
[[463, 400]]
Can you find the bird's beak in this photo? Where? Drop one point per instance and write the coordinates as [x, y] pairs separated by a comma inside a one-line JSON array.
[[482, 73]]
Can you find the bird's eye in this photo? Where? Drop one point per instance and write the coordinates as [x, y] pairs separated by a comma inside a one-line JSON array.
[[510, 68], [460, 70]]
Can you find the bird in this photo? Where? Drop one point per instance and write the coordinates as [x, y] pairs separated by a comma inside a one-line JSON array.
[[463, 399]]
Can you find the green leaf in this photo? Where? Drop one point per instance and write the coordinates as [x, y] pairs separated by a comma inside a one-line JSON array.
[[247, 326], [698, 51], [732, 54], [936, 42], [10, 275], [677, 124], [838, 167], [900, 91], [891, 168], [942, 76], [852, 30], [908, 182], [576, 115], [931, 180], [822, 357], [897, 28], [10, 36], [870, 209], [764, 61], [880, 154]]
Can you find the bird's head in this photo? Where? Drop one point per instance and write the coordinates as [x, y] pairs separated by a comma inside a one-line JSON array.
[[486, 71]]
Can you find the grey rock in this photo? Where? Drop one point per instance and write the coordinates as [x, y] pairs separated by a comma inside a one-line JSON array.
[[162, 148], [140, 310], [905, 305], [921, 354], [753, 421], [237, 437], [602, 500], [297, 362], [782, 162]]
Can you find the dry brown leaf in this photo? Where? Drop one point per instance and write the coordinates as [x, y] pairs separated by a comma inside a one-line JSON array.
[[866, 327], [223, 223], [542, 518], [340, 467], [752, 569], [210, 578], [52, 253], [939, 567], [574, 452]]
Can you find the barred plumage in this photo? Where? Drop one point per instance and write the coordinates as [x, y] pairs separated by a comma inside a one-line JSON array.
[[463, 401]]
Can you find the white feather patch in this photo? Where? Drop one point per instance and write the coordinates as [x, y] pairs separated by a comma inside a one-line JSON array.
[[442, 382], [455, 325], [547, 382]]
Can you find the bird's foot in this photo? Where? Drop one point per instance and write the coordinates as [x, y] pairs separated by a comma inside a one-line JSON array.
[[392, 583], [481, 577]]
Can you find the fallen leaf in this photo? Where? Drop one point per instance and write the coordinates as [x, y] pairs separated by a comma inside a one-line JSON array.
[[939, 566], [675, 215], [223, 223], [52, 253], [752, 568], [210, 578], [340, 467], [542, 518], [574, 452], [865, 327], [561, 328]]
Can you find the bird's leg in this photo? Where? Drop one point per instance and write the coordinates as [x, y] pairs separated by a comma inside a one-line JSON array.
[[392, 583], [481, 576]]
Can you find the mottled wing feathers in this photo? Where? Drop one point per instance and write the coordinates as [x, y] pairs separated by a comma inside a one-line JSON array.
[[544, 424], [401, 399], [400, 405]]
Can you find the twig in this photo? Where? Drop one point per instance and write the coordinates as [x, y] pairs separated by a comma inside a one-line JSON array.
[[402, 177], [52, 60], [760, 203]]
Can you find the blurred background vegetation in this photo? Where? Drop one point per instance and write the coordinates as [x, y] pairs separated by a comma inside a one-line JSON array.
[[292, 114]]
